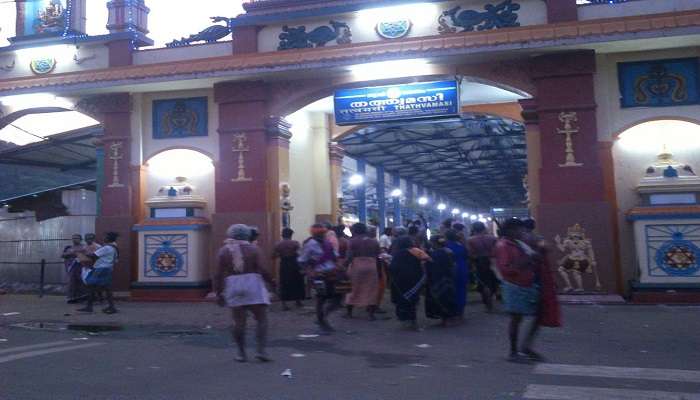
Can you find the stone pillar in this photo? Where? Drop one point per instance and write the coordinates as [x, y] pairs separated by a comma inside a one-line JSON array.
[[398, 219], [336, 155], [381, 198], [561, 11], [534, 157], [361, 192], [118, 189], [411, 201], [572, 182], [128, 19], [247, 170], [278, 136]]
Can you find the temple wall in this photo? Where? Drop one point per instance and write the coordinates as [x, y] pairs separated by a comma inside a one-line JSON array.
[[639, 7], [612, 119], [88, 57], [160, 55], [309, 170], [424, 17], [630, 164]]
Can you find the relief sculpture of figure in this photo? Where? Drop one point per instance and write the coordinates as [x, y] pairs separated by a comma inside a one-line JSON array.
[[298, 38], [579, 258], [286, 205]]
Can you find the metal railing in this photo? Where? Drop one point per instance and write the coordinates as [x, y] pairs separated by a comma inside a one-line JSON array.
[[42, 271]]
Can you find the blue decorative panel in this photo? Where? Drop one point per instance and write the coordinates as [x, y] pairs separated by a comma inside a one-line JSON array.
[[396, 102], [166, 256], [659, 83], [180, 118], [44, 17], [673, 250]]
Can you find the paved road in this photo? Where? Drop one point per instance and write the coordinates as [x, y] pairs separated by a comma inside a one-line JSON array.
[[182, 351]]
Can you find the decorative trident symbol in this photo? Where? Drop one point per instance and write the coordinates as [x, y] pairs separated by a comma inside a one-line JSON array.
[[116, 155], [568, 120], [240, 146]]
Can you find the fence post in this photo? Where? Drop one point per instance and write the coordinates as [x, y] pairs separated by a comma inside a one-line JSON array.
[[41, 278]]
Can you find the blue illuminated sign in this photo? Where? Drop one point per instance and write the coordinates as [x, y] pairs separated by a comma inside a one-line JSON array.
[[397, 102]]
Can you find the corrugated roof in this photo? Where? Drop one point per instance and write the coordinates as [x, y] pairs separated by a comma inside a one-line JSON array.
[[64, 160], [477, 160]]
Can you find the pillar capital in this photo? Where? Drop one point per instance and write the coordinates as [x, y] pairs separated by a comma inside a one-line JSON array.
[[278, 131], [529, 112], [336, 153], [97, 106]]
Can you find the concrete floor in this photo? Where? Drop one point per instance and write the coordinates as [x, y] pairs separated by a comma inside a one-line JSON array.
[[183, 351]]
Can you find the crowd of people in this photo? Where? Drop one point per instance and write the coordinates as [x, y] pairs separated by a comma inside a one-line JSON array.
[[355, 272], [89, 268]]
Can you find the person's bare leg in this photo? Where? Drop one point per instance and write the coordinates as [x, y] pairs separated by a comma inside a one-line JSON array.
[[530, 339], [371, 310], [110, 302], [238, 331], [513, 334], [260, 314]]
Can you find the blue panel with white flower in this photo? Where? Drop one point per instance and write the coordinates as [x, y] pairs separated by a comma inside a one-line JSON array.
[[659, 83], [180, 118], [673, 250], [166, 256]]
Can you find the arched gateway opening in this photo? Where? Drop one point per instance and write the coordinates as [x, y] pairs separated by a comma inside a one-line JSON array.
[[468, 165]]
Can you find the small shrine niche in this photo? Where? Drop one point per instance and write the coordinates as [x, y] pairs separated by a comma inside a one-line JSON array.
[[42, 19], [177, 200], [173, 240], [667, 226]]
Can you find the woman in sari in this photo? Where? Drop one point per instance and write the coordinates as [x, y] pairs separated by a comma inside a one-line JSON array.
[[528, 289], [461, 276], [291, 279], [363, 254], [239, 284], [440, 298], [407, 280]]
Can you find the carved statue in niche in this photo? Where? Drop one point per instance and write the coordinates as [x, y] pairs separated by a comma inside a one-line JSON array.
[[286, 205], [527, 202], [339, 213], [579, 259], [298, 38], [51, 18], [502, 15], [208, 35]]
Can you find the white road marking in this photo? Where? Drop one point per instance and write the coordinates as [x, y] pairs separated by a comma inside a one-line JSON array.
[[35, 346], [655, 374], [37, 353], [545, 392]]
